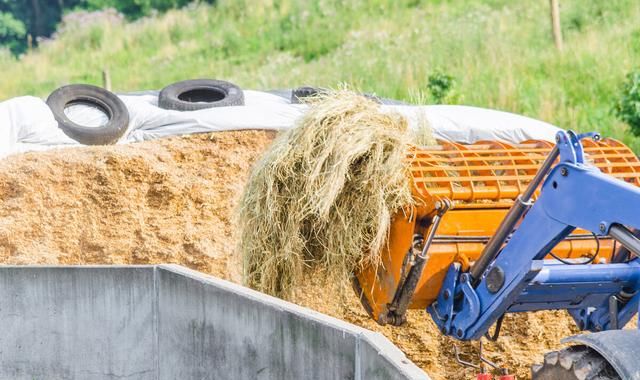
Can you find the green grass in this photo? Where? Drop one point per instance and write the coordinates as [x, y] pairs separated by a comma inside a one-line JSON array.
[[500, 52]]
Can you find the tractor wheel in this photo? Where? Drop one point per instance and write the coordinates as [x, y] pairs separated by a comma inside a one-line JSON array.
[[574, 363]]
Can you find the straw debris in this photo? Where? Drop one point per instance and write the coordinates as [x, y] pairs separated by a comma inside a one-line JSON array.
[[324, 193]]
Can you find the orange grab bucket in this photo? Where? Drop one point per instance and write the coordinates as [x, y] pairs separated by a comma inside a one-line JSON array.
[[481, 180]]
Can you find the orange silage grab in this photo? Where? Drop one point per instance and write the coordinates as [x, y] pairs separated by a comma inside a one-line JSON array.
[[482, 180]]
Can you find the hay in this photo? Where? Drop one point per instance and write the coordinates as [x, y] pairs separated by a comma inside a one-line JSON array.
[[324, 194], [422, 133]]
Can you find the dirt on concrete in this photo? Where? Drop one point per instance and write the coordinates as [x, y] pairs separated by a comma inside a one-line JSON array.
[[173, 201]]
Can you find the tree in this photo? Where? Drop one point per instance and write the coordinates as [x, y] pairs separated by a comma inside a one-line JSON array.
[[37, 17], [12, 32]]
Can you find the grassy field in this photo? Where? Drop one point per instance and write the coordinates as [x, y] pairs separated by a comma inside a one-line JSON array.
[[500, 52]]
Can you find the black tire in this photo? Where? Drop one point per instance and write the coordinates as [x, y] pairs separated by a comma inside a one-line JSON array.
[[197, 94], [299, 94], [94, 96], [574, 363]]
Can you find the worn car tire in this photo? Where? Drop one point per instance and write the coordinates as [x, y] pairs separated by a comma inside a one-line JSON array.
[[197, 94], [100, 98]]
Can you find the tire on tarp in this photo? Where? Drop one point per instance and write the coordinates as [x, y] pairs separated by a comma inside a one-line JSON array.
[[105, 101], [197, 94], [299, 94]]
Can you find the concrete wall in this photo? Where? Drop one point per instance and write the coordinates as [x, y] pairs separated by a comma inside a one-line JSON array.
[[168, 322], [72, 323]]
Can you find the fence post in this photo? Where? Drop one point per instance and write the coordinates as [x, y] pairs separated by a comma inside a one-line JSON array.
[[106, 79], [555, 23]]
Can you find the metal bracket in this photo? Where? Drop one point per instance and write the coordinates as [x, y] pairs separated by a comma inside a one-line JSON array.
[[442, 310], [565, 143], [571, 149], [468, 316], [581, 317]]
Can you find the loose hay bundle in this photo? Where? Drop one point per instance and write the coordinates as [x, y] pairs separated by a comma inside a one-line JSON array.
[[324, 193]]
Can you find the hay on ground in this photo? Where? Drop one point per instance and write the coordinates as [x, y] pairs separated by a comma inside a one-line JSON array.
[[324, 194]]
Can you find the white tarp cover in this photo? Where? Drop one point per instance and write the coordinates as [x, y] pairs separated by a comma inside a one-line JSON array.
[[27, 124]]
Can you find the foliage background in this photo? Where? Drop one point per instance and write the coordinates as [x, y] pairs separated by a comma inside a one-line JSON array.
[[39, 18], [492, 53]]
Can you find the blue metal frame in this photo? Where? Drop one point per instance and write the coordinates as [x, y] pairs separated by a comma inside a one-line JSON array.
[[574, 195]]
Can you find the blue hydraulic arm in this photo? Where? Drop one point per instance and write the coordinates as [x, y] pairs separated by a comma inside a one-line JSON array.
[[515, 277]]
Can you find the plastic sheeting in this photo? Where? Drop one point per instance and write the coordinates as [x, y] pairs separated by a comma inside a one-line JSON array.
[[27, 124]]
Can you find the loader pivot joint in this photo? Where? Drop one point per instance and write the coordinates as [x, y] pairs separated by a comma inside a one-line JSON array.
[[495, 279]]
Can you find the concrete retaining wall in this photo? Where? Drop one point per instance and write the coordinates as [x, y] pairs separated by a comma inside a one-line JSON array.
[[168, 322]]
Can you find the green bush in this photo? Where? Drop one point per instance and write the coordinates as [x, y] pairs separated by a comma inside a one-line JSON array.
[[627, 107], [440, 86]]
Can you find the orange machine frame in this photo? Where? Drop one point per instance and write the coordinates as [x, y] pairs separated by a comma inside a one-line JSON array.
[[481, 180]]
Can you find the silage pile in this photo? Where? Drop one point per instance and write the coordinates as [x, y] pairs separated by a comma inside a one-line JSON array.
[[324, 194], [169, 200]]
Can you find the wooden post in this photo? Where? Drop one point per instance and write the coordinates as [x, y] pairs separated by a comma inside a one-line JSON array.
[[555, 23], [106, 79]]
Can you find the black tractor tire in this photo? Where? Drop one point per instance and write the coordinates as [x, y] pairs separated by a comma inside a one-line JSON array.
[[574, 363], [198, 94], [106, 101]]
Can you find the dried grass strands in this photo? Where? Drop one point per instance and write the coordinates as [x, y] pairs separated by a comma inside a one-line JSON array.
[[324, 194], [422, 133]]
